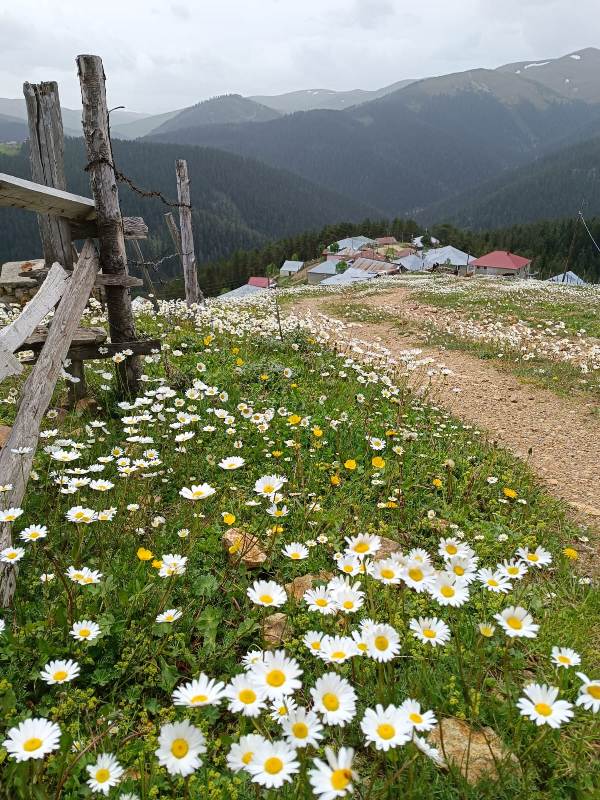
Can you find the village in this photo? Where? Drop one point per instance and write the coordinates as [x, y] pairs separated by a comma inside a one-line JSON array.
[[360, 258]]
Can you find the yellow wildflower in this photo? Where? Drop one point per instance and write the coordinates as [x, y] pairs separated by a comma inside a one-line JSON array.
[[350, 463], [143, 554]]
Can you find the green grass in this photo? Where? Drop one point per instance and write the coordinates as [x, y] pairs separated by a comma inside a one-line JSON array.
[[128, 674]]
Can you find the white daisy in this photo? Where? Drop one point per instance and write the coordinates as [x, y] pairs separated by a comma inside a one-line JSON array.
[[104, 774], [10, 555], [335, 699], [334, 778], [321, 600], [302, 728], [541, 706], [415, 718], [449, 590], [494, 581], [170, 615], [32, 738], [233, 462], [241, 753], [565, 657], [180, 745], [202, 691], [85, 631], [273, 764], [517, 622], [537, 558], [267, 593], [418, 575], [383, 642], [197, 492], [60, 671], [276, 675], [296, 551], [337, 649], [33, 532], [268, 485], [244, 696], [430, 630], [385, 728], [589, 693]]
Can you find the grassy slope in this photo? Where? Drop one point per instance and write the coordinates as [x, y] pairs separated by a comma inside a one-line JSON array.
[[129, 673]]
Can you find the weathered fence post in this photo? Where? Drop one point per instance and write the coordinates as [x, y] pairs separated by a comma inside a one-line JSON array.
[[188, 255], [144, 269], [36, 395], [46, 156], [113, 256]]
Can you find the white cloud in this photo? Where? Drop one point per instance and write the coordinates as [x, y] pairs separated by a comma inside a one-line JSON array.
[[163, 55]]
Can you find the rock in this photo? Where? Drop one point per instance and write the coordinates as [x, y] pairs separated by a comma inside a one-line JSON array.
[[483, 747], [84, 403], [243, 546], [388, 546], [275, 629], [303, 583], [4, 434]]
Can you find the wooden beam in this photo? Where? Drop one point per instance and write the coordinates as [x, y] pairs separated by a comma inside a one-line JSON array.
[[19, 193], [128, 281], [36, 396], [113, 255], [109, 349], [145, 272], [81, 336], [46, 156], [9, 365], [188, 255], [80, 211]]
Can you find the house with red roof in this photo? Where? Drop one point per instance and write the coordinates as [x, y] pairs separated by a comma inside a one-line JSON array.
[[261, 283], [501, 262]]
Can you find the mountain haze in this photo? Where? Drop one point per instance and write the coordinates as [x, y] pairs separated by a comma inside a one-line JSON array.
[[329, 99]]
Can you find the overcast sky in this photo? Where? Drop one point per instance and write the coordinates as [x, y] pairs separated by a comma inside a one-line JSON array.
[[164, 55]]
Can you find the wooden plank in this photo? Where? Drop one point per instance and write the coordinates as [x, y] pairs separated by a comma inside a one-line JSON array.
[[36, 396], [19, 193], [9, 365], [13, 335], [81, 336], [133, 228], [188, 256], [113, 255], [128, 281], [97, 352], [46, 156], [147, 279]]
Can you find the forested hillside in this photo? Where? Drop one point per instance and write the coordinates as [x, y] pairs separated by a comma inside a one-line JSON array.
[[404, 151], [237, 202], [551, 188]]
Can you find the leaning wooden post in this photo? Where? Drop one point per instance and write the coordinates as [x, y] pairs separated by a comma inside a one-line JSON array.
[[36, 396], [188, 256], [46, 156], [113, 256], [144, 270]]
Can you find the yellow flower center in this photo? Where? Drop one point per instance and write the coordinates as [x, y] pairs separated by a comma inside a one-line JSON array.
[[268, 489], [514, 623], [273, 765], [321, 602], [415, 574], [564, 659], [247, 696], [512, 570], [594, 690], [275, 677], [429, 633], [295, 555], [180, 748], [331, 701], [348, 568], [361, 547], [300, 730], [459, 570], [362, 646], [348, 604], [102, 775], [451, 549], [386, 731], [340, 778], [247, 757], [338, 654], [266, 598], [492, 582], [316, 645], [387, 573], [199, 698], [60, 675], [382, 642], [32, 744], [544, 709], [416, 718], [532, 557], [11, 555], [447, 591], [84, 632]]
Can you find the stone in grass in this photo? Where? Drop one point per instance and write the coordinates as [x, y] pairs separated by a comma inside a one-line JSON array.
[[275, 629], [474, 752], [4, 434], [388, 546], [303, 583], [243, 546]]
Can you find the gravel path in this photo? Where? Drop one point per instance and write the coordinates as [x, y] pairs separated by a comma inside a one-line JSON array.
[[558, 437]]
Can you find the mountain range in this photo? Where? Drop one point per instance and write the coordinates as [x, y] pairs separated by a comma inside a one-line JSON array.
[[472, 147]]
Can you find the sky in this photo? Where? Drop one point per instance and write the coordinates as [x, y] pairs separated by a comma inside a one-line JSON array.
[[163, 55]]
